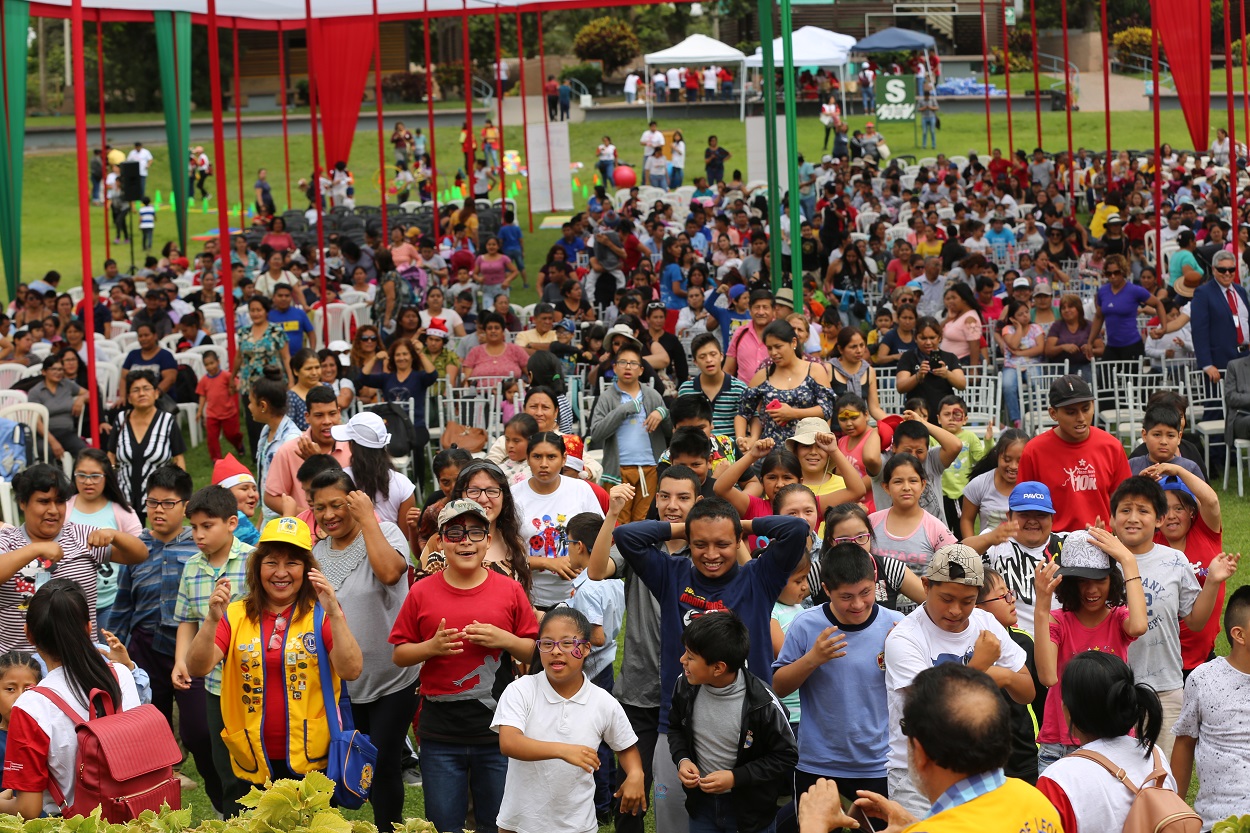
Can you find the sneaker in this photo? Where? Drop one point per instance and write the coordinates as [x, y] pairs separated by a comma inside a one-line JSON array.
[[412, 776], [187, 783]]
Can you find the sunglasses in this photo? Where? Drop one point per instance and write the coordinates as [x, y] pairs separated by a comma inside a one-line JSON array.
[[368, 338]]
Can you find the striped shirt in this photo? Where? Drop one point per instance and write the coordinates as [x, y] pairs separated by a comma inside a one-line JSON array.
[[148, 592], [199, 578], [136, 460], [724, 406], [79, 564]]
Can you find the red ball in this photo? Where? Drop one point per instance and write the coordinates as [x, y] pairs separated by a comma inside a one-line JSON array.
[[624, 176]]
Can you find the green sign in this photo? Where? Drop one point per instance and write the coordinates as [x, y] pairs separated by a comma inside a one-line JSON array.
[[896, 98], [1010, 14]]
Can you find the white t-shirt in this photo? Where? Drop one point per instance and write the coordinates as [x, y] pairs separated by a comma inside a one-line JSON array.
[[674, 78], [652, 139], [1098, 800], [543, 518], [143, 156], [448, 314], [401, 489], [678, 157], [975, 246], [660, 78], [916, 644], [991, 502], [709, 78], [631, 82], [553, 796], [1217, 697], [62, 736], [1171, 589]]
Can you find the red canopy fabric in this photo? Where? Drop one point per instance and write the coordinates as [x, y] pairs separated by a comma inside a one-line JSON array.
[[342, 53], [1185, 27]]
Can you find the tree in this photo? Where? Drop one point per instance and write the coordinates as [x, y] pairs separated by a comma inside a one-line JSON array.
[[608, 40]]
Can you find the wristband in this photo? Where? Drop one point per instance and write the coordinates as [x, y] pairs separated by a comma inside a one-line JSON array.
[[1134, 578]]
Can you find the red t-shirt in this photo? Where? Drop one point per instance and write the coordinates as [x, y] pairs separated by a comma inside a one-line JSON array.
[[552, 88], [275, 722], [475, 677], [1081, 476], [999, 168], [1201, 547], [219, 403]]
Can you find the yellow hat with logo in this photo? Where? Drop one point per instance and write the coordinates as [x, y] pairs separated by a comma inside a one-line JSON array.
[[287, 531]]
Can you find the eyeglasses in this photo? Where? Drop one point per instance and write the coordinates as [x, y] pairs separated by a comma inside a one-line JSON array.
[[87, 477], [456, 534], [567, 646], [151, 503], [492, 492], [1008, 597], [1110, 272], [861, 539], [1224, 271], [279, 632], [628, 365]]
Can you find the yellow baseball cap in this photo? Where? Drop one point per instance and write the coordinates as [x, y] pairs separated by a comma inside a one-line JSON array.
[[288, 531]]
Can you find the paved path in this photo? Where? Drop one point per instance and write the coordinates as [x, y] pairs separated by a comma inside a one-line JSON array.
[[1127, 93]]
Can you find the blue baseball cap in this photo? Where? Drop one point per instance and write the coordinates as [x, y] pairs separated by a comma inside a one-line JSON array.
[[1172, 483], [566, 324], [1031, 496]]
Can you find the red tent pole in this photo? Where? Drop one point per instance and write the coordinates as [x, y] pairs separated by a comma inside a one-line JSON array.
[[1011, 140], [377, 96], [219, 164], [468, 100], [84, 213], [542, 63], [1067, 95], [238, 134], [525, 118], [985, 53], [316, 154], [1106, 87], [1231, 99], [286, 149], [503, 192], [1037, 85], [1245, 79], [429, 143], [1158, 183], [99, 62]]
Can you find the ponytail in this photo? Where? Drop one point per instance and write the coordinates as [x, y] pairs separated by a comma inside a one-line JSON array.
[[58, 620], [1104, 700]]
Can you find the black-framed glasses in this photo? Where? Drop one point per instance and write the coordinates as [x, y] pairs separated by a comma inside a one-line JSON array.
[[1008, 596], [492, 492], [628, 364], [456, 534], [152, 503], [567, 646]]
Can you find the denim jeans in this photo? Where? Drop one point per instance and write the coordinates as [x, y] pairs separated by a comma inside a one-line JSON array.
[[607, 169], [928, 128], [490, 291], [629, 97], [659, 181], [1011, 392], [449, 771], [808, 204], [1048, 753], [715, 815], [868, 96], [675, 177], [492, 156]]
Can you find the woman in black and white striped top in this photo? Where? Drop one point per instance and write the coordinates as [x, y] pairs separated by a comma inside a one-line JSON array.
[[144, 438]]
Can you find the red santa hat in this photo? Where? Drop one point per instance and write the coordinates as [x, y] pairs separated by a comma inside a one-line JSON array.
[[229, 472]]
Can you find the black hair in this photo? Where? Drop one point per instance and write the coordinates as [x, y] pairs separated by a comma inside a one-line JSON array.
[[21, 659], [329, 479], [112, 491], [321, 395], [271, 389], [781, 458], [1104, 700], [371, 469], [448, 457], [850, 400], [507, 523], [952, 399], [583, 528], [57, 621], [684, 473], [263, 300], [142, 376], [549, 437], [897, 461], [322, 355], [690, 442], [547, 371], [214, 501], [1237, 611], [1005, 440], [563, 611], [703, 340], [1068, 593], [719, 637], [690, 406], [958, 717], [300, 359], [524, 423], [837, 514], [41, 477], [990, 579], [1164, 415], [789, 489], [172, 479], [928, 322], [911, 429], [1143, 487], [315, 465], [543, 390], [780, 330], [713, 508], [846, 564]]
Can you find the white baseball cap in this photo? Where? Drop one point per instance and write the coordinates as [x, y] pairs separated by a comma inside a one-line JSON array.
[[366, 428]]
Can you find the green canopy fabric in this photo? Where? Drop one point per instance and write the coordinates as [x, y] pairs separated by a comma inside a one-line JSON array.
[[14, 24], [173, 51]]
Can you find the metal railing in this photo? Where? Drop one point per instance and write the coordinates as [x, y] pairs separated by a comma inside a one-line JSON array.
[[1139, 67], [1055, 64], [484, 91]]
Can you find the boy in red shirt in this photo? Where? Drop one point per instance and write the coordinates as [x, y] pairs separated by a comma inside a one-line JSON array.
[[1080, 463], [219, 407]]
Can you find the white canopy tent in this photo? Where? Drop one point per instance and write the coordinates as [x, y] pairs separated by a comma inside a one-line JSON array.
[[696, 51], [814, 47]]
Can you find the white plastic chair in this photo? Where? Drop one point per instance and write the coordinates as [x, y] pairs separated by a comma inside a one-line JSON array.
[[341, 321], [35, 416]]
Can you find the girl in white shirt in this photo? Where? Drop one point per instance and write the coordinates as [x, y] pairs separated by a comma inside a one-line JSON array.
[[678, 160]]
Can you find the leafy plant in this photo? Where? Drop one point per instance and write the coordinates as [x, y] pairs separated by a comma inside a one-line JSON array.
[[1135, 43], [608, 40], [1232, 824], [450, 79], [589, 74], [1238, 50], [404, 86]]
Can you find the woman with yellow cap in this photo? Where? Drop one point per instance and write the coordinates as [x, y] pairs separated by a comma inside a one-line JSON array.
[[271, 701]]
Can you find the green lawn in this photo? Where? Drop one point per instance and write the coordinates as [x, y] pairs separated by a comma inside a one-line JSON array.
[[93, 117]]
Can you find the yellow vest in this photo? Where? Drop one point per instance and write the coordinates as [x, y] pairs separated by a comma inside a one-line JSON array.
[[243, 700], [1015, 807]]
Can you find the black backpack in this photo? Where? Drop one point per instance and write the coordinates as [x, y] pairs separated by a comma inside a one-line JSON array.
[[403, 433]]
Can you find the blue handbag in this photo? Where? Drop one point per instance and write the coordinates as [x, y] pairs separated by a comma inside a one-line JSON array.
[[353, 758]]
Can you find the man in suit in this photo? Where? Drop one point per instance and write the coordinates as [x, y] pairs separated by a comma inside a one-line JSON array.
[[1220, 316], [1237, 399]]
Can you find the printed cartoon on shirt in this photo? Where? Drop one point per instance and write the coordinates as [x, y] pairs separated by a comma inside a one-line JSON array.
[[549, 539], [942, 659], [30, 578], [697, 605]]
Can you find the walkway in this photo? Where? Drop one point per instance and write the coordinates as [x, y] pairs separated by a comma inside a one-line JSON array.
[[1127, 93]]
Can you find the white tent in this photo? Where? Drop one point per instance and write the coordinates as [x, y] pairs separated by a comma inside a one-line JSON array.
[[697, 51], [813, 47]]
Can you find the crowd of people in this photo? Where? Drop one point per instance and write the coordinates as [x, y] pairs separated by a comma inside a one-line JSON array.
[[834, 580]]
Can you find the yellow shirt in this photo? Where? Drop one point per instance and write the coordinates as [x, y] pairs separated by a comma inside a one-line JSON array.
[[1015, 807], [528, 337]]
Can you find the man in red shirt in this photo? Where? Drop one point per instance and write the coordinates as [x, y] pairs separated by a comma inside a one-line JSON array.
[[1081, 464], [552, 89], [999, 167]]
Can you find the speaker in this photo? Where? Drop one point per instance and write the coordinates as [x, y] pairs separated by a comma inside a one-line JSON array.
[[132, 183]]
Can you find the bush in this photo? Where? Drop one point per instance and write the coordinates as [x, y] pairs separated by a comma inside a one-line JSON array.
[[403, 87], [588, 74], [450, 79], [608, 40], [1134, 42], [1237, 51], [1019, 62]]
